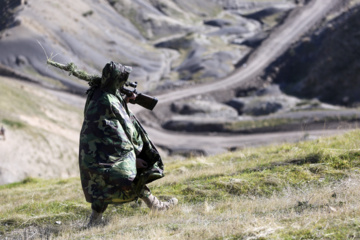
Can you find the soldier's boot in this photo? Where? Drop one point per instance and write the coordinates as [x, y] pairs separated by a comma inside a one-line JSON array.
[[155, 204], [95, 219]]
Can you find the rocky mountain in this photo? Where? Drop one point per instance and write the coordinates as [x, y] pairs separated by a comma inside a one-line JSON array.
[[313, 81], [324, 65], [169, 43]]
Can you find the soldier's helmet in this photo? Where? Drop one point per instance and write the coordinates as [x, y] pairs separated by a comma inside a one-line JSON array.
[[115, 74]]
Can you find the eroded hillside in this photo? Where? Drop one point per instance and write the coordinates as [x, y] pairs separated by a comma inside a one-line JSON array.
[[42, 132], [307, 87], [324, 65], [167, 42]]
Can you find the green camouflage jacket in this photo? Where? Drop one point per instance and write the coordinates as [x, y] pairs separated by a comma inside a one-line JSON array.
[[111, 139]]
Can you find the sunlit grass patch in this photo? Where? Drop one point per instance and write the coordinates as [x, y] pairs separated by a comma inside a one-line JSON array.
[[261, 172]]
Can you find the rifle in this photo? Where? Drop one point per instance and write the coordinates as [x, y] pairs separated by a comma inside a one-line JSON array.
[[141, 99]]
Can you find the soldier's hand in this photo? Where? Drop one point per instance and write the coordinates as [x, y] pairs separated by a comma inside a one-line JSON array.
[[141, 163], [132, 97]]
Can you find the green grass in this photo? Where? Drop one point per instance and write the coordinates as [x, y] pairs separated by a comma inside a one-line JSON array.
[[13, 123], [15, 99], [255, 124], [280, 122], [275, 192]]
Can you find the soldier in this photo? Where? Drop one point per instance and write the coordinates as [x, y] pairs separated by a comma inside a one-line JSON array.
[[116, 158]]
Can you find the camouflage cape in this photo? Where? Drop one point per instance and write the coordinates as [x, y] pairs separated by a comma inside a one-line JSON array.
[[111, 139]]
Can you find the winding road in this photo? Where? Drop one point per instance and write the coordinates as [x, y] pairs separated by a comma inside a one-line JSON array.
[[273, 47]]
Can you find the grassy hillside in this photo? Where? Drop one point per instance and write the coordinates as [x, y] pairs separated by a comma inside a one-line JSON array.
[[308, 190]]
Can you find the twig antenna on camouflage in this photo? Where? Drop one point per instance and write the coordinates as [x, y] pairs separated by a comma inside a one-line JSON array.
[[142, 99], [72, 69]]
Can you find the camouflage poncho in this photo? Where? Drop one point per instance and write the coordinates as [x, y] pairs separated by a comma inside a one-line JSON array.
[[111, 139]]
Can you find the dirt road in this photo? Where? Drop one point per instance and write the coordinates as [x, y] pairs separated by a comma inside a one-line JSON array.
[[274, 46]]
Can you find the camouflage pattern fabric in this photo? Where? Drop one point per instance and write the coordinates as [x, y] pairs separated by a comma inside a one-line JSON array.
[[111, 139]]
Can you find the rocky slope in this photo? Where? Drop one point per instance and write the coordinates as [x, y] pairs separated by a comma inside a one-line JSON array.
[[168, 43], [310, 84], [324, 65]]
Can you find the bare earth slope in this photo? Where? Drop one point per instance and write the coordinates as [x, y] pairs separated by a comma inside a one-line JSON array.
[[334, 57], [268, 51], [167, 42], [66, 35], [42, 132]]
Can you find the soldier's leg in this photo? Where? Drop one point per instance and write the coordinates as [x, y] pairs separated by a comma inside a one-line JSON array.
[[98, 208], [154, 203]]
